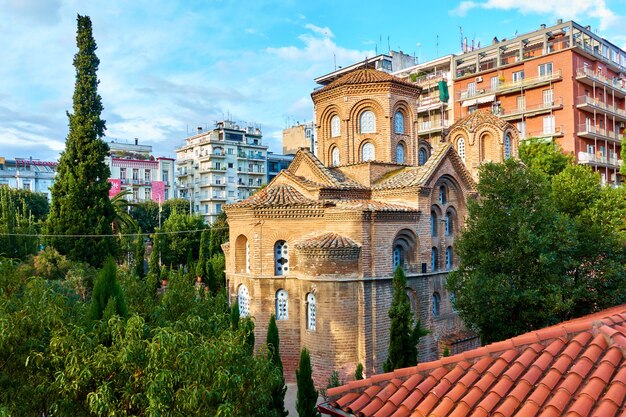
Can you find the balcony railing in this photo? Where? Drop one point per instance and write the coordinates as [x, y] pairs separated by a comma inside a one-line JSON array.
[[590, 103], [504, 87], [431, 126], [599, 159], [618, 84], [592, 132], [545, 133], [529, 110]]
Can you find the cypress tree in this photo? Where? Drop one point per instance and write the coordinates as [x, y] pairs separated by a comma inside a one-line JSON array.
[[234, 316], [107, 294], [153, 262], [205, 241], [210, 277], [80, 194], [138, 256], [403, 336], [307, 394], [358, 373], [279, 389]]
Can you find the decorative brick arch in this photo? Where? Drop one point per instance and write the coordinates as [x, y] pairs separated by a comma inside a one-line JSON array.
[[363, 105], [242, 254]]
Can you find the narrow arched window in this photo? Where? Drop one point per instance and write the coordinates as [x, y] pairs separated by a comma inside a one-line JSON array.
[[335, 126], [247, 256], [368, 153], [433, 223], [460, 148], [507, 146], [448, 258], [443, 198], [449, 223], [334, 156], [436, 304], [311, 312], [421, 157], [281, 253], [398, 257], [282, 306], [243, 299], [400, 153], [399, 122], [367, 122], [434, 262]]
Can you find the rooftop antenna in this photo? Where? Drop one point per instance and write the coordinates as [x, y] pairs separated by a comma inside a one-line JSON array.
[[335, 60], [437, 46], [388, 45], [461, 30]]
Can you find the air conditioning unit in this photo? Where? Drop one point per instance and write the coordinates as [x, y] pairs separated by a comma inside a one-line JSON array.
[[479, 79]]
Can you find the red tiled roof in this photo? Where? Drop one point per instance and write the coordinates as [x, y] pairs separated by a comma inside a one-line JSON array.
[[276, 196], [365, 76], [325, 241], [576, 368]]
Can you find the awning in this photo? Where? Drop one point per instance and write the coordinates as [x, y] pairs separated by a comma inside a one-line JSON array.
[[486, 99], [468, 103]]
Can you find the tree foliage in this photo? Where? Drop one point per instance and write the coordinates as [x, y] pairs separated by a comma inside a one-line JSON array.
[[273, 347], [146, 213], [403, 334], [182, 238], [16, 223], [306, 398], [108, 296], [545, 157], [532, 254], [80, 193]]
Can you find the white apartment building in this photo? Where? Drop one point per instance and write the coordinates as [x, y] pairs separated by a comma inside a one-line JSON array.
[[134, 168], [28, 174], [220, 166]]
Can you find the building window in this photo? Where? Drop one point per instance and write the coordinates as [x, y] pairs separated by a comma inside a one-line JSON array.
[[436, 304], [282, 306], [218, 208], [421, 157], [399, 122], [147, 194], [400, 153], [147, 175], [548, 124], [123, 173], [434, 263], [367, 152], [448, 258], [135, 174], [334, 156], [521, 127], [548, 97], [442, 194], [397, 257], [507, 146], [281, 251], [518, 76], [521, 103], [433, 223], [367, 122], [311, 312], [471, 89], [243, 299], [449, 223], [494, 83], [460, 147], [335, 126], [545, 70]]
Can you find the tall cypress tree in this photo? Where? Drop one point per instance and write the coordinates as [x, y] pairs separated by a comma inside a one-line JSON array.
[[403, 336], [280, 389], [306, 398], [80, 194]]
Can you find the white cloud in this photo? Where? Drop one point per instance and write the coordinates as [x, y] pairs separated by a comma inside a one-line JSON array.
[[463, 8], [324, 31]]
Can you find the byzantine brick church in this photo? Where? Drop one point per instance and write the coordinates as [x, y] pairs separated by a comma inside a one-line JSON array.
[[318, 246]]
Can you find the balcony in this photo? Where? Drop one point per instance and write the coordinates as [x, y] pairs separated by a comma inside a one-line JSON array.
[[588, 77], [430, 127], [429, 80], [557, 131], [430, 103], [593, 132], [507, 87], [591, 104], [598, 159], [527, 111]]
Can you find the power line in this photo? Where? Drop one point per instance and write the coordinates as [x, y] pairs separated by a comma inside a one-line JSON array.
[[115, 235]]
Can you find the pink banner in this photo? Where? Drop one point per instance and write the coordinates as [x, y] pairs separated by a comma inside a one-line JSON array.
[[158, 191], [116, 187]]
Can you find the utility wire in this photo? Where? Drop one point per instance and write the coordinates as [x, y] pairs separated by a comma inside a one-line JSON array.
[[115, 235]]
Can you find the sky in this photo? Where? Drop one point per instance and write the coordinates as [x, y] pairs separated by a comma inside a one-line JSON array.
[[167, 67]]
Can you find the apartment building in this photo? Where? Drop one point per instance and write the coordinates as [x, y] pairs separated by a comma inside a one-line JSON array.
[[434, 109], [300, 135], [276, 163], [28, 174], [133, 168], [219, 166], [562, 83]]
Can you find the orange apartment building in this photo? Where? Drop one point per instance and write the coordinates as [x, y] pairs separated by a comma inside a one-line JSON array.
[[562, 83]]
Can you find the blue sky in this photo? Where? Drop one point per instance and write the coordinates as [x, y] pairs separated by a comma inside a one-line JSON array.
[[167, 67]]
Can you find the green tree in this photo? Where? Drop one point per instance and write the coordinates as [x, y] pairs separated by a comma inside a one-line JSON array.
[[182, 238], [80, 194], [234, 316], [358, 373], [510, 276], [403, 335], [219, 235], [15, 220], [36, 203], [107, 294], [139, 255], [273, 347], [205, 247], [546, 157], [306, 398], [211, 278]]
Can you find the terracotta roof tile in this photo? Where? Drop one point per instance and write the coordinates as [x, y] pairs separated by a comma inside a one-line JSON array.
[[573, 369], [364, 76], [326, 241], [276, 196]]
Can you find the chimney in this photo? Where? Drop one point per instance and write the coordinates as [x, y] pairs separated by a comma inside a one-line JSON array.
[[199, 129], [559, 21], [136, 141], [543, 26]]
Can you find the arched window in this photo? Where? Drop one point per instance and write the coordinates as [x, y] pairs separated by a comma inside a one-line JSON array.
[[310, 312], [460, 148], [507, 146], [367, 122], [247, 256], [436, 304], [442, 194], [398, 257], [335, 126], [367, 152], [400, 153], [242, 255], [282, 306], [243, 299], [334, 156], [448, 258], [399, 122], [281, 253], [434, 262], [422, 156], [449, 223], [433, 223]]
